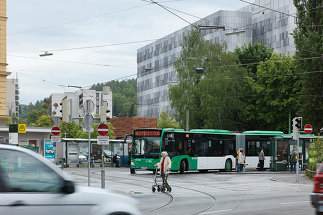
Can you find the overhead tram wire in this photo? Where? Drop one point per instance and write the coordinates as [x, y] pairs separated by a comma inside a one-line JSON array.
[[75, 62], [162, 6], [268, 8], [86, 18]]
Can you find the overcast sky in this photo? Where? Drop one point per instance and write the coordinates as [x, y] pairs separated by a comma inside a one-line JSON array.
[[39, 25]]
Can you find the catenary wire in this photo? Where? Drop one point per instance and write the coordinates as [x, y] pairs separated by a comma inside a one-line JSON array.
[[85, 18]]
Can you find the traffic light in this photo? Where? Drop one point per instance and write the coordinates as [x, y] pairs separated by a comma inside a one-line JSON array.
[[297, 125], [65, 110], [298, 121]]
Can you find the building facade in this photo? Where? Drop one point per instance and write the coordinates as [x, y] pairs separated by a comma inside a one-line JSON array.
[[3, 62], [76, 101], [155, 71], [13, 97]]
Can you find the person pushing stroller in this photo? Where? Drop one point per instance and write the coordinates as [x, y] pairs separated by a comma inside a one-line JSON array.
[[164, 166]]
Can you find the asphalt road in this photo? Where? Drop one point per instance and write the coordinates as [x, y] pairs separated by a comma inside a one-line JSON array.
[[209, 193]]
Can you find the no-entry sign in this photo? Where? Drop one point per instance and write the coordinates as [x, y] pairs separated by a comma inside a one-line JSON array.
[[308, 129], [56, 131], [103, 129]]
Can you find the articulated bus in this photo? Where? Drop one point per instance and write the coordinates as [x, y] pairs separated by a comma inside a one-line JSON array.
[[197, 149], [206, 149]]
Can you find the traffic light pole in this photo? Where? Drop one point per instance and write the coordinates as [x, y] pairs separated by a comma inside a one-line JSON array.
[[89, 157], [297, 150]]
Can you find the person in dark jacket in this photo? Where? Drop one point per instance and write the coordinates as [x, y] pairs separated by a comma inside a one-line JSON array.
[[115, 160], [261, 157]]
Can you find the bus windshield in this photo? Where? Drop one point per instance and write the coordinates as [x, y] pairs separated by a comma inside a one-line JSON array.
[[145, 145]]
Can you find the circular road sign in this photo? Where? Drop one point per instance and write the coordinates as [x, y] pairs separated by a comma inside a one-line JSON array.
[[56, 131], [103, 129], [308, 129]]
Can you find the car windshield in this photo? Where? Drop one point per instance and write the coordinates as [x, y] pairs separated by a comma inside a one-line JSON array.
[[146, 147]]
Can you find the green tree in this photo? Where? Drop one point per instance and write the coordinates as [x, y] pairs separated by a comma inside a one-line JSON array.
[[308, 40], [249, 58], [212, 97], [74, 130], [45, 121], [124, 96], [166, 122], [315, 152], [276, 89]]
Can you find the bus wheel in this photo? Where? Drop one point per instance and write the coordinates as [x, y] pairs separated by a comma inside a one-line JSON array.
[[132, 171], [182, 167], [228, 165]]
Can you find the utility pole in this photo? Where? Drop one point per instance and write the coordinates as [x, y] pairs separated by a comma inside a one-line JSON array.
[[187, 119]]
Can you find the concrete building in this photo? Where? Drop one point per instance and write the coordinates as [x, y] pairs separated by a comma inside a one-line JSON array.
[[126, 125], [34, 137], [3, 62], [272, 28], [76, 102], [155, 71], [12, 97]]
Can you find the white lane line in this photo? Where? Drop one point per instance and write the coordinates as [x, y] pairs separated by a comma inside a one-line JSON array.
[[213, 212], [289, 203]]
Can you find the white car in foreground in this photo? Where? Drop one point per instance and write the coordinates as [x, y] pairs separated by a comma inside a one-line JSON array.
[[32, 185]]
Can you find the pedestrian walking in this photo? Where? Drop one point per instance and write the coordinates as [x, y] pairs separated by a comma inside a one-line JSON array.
[[164, 166], [241, 160], [293, 161], [237, 160], [116, 161], [262, 158]]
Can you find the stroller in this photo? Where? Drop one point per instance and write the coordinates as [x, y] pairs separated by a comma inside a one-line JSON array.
[[160, 184]]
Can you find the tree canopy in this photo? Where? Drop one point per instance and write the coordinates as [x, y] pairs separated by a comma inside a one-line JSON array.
[[308, 41], [212, 97], [124, 96]]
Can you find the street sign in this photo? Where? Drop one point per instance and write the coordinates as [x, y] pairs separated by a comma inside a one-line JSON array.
[[56, 131], [13, 128], [88, 106], [103, 140], [56, 139], [308, 129], [87, 129], [22, 128], [88, 120], [103, 129]]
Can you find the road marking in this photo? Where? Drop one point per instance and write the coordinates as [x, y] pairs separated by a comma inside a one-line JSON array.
[[289, 203], [211, 212]]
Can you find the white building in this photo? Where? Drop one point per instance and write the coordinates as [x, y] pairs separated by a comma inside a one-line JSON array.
[[12, 97], [76, 102], [155, 71]]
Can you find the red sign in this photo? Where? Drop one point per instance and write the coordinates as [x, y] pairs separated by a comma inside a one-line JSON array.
[[308, 129], [147, 133], [103, 129], [56, 131]]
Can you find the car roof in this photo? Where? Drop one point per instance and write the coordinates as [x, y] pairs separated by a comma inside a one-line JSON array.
[[36, 156]]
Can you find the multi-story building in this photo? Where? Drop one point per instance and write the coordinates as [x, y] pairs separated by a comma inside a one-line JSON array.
[[76, 102], [3, 62], [12, 97], [155, 71]]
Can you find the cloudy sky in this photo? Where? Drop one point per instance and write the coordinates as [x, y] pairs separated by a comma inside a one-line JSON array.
[[38, 25]]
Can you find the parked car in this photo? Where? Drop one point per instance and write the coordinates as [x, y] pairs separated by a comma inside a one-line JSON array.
[[82, 158], [32, 185], [49, 151], [317, 195]]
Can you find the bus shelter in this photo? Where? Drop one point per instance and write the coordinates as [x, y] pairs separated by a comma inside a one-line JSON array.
[[282, 147], [75, 152]]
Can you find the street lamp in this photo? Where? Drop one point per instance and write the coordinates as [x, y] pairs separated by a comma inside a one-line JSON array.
[[235, 32], [45, 54]]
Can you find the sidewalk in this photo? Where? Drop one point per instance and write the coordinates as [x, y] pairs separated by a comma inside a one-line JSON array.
[[291, 178]]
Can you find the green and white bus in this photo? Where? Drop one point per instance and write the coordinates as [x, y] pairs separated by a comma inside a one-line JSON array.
[[197, 149]]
